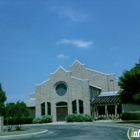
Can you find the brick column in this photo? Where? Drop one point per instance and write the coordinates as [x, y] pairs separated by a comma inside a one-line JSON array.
[[1, 124]]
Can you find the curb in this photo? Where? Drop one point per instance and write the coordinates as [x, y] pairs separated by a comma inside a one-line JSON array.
[[23, 135]]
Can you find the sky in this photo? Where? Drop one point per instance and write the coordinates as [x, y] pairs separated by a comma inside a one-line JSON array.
[[38, 36]]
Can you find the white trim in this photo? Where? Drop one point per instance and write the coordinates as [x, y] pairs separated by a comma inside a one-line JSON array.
[[42, 82], [100, 72], [60, 67], [75, 62], [111, 93], [94, 86], [79, 78]]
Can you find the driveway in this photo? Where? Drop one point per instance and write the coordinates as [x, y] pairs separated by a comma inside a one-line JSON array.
[[80, 132]]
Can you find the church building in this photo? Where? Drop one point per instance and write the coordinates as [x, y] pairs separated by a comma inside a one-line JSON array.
[[76, 90]]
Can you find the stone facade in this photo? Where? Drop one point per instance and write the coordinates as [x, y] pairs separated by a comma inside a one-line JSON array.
[[80, 84]]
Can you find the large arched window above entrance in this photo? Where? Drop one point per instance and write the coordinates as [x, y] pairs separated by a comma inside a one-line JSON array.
[[61, 89]]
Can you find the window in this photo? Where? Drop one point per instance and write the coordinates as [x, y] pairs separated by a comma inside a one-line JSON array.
[[81, 109], [111, 109], [43, 109], [119, 109], [61, 89], [74, 109], [49, 108], [101, 110]]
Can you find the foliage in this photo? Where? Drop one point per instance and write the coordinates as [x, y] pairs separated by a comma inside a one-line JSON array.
[[42, 119], [130, 116], [14, 114], [87, 118], [24, 120], [2, 100], [79, 118], [130, 85]]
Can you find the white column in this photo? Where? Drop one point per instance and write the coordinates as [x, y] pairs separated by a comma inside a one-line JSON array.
[[1, 124], [116, 110], [106, 111]]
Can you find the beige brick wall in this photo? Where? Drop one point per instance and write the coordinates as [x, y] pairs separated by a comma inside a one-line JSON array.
[[77, 80]]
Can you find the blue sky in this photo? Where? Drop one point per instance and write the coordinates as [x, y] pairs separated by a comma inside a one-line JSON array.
[[37, 36]]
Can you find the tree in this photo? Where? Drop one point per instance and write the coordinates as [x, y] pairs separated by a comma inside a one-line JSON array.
[[16, 111], [129, 83], [2, 100]]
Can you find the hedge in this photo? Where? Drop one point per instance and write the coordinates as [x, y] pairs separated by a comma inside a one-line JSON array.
[[130, 116], [79, 118], [27, 120], [42, 119]]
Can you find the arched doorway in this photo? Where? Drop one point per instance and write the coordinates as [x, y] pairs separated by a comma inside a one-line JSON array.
[[61, 111]]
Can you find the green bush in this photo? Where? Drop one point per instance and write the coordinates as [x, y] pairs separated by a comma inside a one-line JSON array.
[[87, 118], [42, 119], [130, 116], [11, 121], [79, 118]]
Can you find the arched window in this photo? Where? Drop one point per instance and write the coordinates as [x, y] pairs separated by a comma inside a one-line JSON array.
[[49, 108], [43, 108], [74, 108], [81, 109]]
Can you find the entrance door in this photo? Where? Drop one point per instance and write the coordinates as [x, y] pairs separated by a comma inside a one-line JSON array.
[[61, 111]]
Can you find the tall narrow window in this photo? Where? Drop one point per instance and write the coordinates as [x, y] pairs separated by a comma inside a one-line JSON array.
[[74, 109], [49, 108], [81, 109], [43, 109]]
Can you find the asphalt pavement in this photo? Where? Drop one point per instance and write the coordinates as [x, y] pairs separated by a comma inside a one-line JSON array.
[[79, 132]]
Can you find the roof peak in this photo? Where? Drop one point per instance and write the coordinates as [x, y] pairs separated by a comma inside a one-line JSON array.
[[76, 61]]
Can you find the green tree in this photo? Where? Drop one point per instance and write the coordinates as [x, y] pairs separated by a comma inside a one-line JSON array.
[[129, 83], [2, 100], [16, 111]]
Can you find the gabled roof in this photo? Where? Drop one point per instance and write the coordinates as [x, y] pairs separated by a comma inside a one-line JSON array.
[[76, 61], [60, 68]]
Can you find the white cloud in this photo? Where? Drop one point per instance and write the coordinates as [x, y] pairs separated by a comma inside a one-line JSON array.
[[77, 43], [62, 56], [65, 12]]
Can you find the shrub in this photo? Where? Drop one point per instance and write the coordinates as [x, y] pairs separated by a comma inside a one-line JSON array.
[[88, 118], [130, 116], [71, 118], [11, 121], [42, 119], [79, 118]]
